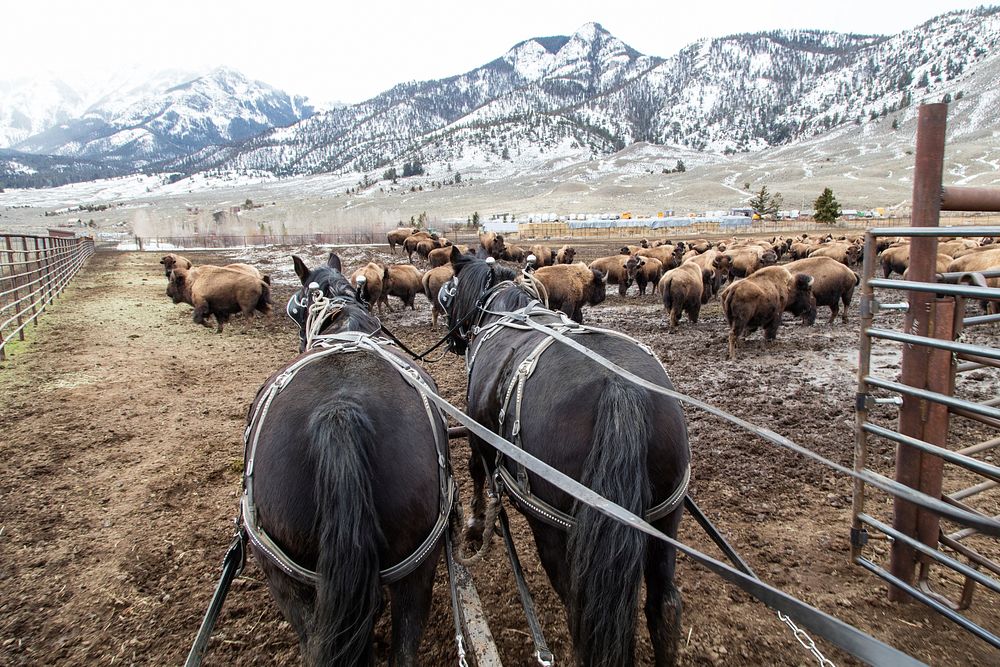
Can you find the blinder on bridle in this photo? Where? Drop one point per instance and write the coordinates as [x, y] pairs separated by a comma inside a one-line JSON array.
[[298, 306], [458, 340]]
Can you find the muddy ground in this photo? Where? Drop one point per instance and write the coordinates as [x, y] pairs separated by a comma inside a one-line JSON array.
[[121, 427]]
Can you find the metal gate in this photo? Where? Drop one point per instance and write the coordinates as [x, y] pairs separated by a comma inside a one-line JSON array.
[[925, 393]]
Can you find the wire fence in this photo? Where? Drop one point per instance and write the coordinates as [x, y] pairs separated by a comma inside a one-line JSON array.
[[34, 270]]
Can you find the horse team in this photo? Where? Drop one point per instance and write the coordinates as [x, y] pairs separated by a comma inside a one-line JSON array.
[[343, 489]]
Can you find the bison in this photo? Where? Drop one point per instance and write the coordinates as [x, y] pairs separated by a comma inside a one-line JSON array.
[[410, 243], [713, 259], [441, 256], [514, 253], [220, 292], [371, 287], [988, 260], [432, 281], [650, 270], [492, 244], [895, 259], [833, 284], [669, 255], [847, 254], [571, 286], [249, 270], [566, 255], [544, 255], [618, 270], [748, 259], [759, 300], [170, 260], [686, 289], [403, 282], [398, 236]]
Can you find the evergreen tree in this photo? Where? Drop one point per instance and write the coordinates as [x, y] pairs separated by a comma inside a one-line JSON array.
[[475, 219], [680, 166], [924, 81], [759, 201], [458, 177], [827, 208]]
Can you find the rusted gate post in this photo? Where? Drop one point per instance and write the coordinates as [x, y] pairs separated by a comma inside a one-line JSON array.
[[918, 418]]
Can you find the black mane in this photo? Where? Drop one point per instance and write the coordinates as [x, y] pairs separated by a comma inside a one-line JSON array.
[[475, 276]]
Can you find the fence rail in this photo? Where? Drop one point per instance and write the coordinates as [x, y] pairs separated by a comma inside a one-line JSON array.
[[33, 271]]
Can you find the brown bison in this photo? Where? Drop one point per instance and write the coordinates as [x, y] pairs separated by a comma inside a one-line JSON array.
[[398, 236], [566, 255], [720, 263], [895, 259], [249, 270], [426, 246], [748, 259], [833, 285], [847, 254], [669, 255], [170, 260], [410, 243], [757, 302], [618, 270], [432, 281], [220, 292], [403, 282], [686, 289], [977, 263], [492, 244], [514, 253], [369, 280], [544, 255], [650, 270], [442, 256], [570, 286]]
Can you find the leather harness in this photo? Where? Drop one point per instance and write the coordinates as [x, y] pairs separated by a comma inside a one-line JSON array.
[[319, 347], [518, 487]]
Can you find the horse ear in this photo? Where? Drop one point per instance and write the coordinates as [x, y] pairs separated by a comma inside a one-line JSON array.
[[301, 270], [454, 255], [334, 262]]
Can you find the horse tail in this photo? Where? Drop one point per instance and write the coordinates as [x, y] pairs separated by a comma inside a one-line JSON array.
[[349, 592], [607, 558]]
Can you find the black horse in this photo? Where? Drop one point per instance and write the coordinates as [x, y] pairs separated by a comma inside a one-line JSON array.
[[626, 443], [346, 482]]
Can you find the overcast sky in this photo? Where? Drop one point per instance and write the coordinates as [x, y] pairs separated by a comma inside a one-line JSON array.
[[355, 50]]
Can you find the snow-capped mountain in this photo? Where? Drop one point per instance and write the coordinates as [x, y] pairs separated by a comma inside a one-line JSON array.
[[561, 99], [168, 116], [589, 93]]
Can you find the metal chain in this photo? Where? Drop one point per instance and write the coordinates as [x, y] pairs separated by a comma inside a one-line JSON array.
[[806, 641]]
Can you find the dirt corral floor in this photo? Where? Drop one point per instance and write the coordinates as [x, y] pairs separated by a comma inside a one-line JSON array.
[[122, 449]]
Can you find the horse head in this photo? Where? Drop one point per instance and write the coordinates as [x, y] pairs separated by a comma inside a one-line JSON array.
[[328, 281]]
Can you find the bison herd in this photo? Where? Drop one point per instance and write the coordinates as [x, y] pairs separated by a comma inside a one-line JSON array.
[[750, 277]]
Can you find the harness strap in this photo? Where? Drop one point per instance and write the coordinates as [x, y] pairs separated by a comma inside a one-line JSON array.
[[323, 346], [519, 489]]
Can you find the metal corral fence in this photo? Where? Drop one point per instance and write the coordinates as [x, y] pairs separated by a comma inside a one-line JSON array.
[[33, 271], [240, 240], [925, 392]]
